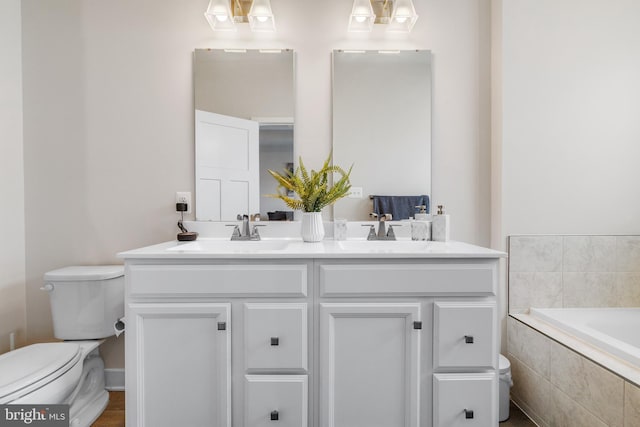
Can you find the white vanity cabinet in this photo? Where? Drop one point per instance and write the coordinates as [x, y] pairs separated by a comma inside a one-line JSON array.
[[312, 339], [217, 343], [389, 327]]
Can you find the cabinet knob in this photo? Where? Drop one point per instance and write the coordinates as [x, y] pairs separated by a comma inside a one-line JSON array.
[[468, 414], [275, 341], [417, 325], [222, 326], [275, 416], [468, 339]]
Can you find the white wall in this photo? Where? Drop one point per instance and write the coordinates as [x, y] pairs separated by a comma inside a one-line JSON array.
[[12, 246], [566, 133], [571, 102], [108, 111]]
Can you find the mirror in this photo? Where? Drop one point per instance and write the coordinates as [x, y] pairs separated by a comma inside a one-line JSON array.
[[381, 125], [244, 109]]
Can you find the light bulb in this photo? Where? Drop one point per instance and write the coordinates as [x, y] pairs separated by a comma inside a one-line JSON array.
[[262, 18], [401, 19], [360, 18], [221, 18]]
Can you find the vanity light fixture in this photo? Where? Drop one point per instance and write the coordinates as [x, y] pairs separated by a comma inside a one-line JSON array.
[[362, 16], [223, 15], [261, 16], [403, 18], [398, 15], [219, 16]]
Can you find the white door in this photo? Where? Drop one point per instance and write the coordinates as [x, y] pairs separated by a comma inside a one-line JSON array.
[[181, 374], [370, 365], [227, 167]]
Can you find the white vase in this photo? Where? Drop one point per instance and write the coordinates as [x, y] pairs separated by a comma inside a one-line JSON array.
[[312, 227]]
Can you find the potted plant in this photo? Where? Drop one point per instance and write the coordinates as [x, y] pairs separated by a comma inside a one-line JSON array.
[[314, 191]]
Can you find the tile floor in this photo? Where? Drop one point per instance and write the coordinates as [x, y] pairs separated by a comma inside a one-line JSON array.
[[113, 416]]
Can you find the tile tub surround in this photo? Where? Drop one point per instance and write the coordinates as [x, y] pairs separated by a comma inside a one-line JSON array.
[[559, 380], [559, 386], [573, 271]]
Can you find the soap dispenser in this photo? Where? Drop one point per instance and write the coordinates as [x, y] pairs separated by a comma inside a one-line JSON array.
[[440, 226], [421, 226]]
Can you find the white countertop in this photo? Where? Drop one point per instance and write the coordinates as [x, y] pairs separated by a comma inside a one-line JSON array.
[[216, 248]]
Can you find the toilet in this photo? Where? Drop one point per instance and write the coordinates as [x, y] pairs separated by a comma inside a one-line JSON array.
[[86, 302]]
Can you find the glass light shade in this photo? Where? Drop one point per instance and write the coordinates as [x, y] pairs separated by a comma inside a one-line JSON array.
[[218, 15], [362, 16], [403, 18], [261, 17]]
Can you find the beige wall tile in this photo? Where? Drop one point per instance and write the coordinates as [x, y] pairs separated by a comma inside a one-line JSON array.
[[535, 253], [589, 290], [542, 290], [589, 253], [628, 290], [565, 412], [628, 253], [530, 388], [529, 346], [588, 384], [631, 405]]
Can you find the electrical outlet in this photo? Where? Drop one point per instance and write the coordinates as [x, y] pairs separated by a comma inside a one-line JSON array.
[[355, 193], [184, 197]]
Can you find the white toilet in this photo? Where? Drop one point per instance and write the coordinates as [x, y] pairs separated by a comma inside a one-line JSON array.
[[85, 304]]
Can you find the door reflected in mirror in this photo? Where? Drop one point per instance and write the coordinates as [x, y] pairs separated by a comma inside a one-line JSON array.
[[244, 109], [382, 125]]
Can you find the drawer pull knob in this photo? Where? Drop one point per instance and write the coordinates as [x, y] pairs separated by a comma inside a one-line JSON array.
[[275, 341], [468, 414], [468, 339], [417, 325], [222, 326], [275, 416]]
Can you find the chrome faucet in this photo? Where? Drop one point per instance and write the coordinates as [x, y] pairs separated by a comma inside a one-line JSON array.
[[247, 232], [382, 233]]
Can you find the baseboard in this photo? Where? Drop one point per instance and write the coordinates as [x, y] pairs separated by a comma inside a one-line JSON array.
[[114, 379]]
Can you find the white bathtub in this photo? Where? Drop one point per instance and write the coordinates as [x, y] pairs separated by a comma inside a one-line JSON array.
[[614, 330]]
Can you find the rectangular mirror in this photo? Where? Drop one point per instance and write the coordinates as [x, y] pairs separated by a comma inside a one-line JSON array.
[[244, 121], [382, 125]]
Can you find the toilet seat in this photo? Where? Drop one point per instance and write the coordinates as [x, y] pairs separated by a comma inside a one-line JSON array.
[[27, 369]]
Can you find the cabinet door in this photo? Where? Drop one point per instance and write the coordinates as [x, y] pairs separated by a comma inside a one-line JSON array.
[[180, 370], [465, 335], [369, 365], [275, 337], [275, 401], [465, 400]]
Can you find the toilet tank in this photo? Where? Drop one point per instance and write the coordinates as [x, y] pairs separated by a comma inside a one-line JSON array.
[[86, 301]]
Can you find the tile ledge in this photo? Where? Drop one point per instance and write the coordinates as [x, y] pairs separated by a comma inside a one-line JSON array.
[[622, 369]]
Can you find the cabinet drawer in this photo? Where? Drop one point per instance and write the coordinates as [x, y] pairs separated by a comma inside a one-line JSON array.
[[275, 336], [465, 400], [244, 280], [275, 400], [464, 335], [339, 280]]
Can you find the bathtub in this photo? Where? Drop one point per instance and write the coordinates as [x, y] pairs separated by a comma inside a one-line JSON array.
[[614, 330]]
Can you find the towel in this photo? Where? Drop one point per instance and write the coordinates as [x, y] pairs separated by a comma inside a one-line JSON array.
[[400, 207]]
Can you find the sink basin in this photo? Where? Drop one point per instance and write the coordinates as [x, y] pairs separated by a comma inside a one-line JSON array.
[[235, 246], [400, 246]]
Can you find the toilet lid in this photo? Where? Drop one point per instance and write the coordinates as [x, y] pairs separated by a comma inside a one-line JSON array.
[[85, 272], [27, 365]]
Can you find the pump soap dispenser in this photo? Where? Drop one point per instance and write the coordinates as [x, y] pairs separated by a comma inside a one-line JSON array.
[[440, 227]]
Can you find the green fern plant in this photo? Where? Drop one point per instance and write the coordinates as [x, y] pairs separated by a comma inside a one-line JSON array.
[[312, 188]]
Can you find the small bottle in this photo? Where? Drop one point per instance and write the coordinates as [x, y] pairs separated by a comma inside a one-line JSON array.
[[421, 226], [440, 227]]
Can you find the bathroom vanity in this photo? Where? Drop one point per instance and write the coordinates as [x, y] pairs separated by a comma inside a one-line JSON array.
[[285, 333]]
